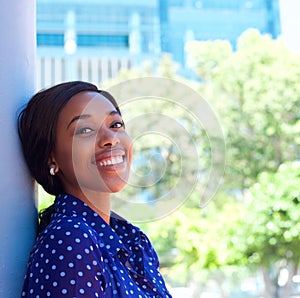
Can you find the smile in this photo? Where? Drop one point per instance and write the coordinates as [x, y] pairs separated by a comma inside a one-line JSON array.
[[112, 161]]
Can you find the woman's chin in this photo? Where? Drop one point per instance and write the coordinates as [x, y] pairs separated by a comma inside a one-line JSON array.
[[117, 188]]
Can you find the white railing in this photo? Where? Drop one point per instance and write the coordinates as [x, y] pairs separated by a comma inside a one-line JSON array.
[[54, 70]]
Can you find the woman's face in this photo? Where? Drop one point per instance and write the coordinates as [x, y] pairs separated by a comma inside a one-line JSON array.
[[92, 150]]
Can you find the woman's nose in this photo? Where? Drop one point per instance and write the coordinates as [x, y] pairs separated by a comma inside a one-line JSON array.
[[107, 138]]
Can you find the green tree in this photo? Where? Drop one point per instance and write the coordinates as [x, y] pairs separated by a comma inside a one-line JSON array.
[[269, 235], [256, 92]]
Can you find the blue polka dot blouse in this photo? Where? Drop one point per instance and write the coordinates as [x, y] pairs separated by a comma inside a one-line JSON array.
[[80, 255]]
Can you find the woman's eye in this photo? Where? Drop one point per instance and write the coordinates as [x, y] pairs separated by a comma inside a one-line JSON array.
[[84, 130], [118, 124]]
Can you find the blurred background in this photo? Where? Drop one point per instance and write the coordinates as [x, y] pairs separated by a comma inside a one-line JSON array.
[[243, 58]]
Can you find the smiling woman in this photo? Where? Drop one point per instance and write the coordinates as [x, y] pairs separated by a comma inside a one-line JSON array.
[[90, 139], [76, 146]]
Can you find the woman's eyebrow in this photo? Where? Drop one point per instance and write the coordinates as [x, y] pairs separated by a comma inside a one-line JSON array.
[[84, 116], [113, 112]]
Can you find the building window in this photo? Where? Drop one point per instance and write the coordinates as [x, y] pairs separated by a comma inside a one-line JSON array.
[[89, 40], [46, 39]]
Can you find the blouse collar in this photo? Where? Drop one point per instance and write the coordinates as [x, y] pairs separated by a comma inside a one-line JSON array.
[[118, 235]]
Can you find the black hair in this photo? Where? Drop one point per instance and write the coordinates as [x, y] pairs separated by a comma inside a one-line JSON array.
[[37, 131]]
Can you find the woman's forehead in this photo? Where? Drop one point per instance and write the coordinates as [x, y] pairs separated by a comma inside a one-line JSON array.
[[85, 105], [88, 102]]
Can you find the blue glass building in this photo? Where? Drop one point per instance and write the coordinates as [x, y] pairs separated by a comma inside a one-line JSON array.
[[122, 33]]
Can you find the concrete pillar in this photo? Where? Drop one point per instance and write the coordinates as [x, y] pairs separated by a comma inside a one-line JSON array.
[[135, 37], [17, 208]]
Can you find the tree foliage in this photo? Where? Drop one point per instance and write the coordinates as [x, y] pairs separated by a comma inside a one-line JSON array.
[[256, 91], [275, 203], [268, 235]]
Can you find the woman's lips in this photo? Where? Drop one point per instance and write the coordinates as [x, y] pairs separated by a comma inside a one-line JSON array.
[[111, 159]]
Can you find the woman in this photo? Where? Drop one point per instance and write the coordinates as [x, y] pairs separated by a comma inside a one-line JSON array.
[[75, 144]]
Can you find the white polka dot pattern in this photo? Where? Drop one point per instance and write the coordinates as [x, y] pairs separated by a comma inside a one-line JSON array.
[[79, 255]]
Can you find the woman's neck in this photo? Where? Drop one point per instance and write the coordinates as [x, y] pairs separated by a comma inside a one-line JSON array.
[[98, 202], [102, 212]]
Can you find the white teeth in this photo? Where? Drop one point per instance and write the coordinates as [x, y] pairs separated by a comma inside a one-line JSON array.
[[113, 161]]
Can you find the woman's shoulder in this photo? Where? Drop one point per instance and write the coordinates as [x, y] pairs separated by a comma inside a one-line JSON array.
[[67, 228], [68, 239]]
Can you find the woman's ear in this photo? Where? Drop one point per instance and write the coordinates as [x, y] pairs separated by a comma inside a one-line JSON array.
[[53, 166]]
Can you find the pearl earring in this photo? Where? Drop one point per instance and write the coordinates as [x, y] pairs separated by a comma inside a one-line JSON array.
[[52, 171]]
